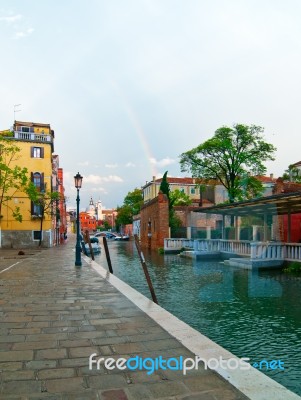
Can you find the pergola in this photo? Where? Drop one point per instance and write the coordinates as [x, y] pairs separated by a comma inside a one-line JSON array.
[[278, 204]]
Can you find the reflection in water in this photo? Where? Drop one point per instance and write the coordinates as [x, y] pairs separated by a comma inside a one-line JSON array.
[[252, 314]]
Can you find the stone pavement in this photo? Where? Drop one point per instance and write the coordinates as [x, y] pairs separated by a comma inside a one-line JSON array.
[[54, 316]]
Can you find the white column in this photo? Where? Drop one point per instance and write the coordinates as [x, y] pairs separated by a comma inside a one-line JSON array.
[[208, 232], [254, 232]]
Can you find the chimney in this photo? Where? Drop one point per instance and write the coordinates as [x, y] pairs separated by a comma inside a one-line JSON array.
[[272, 176]]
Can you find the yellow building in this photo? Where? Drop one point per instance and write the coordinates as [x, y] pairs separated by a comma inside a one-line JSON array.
[[188, 186], [36, 143]]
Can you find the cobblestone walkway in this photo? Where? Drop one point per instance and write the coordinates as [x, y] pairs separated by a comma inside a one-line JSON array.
[[54, 316]]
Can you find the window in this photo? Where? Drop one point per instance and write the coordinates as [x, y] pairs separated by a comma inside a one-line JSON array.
[[37, 180], [26, 129], [192, 190], [37, 152], [37, 209], [36, 235]]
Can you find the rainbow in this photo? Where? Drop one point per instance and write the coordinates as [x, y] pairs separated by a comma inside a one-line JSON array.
[[137, 127]]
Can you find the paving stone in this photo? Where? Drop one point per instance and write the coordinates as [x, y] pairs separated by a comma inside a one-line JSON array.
[[75, 343], [50, 354], [82, 351], [21, 387], [12, 338], [107, 381], [56, 373], [16, 355], [10, 366], [41, 364], [34, 345], [17, 375], [117, 394], [65, 385]]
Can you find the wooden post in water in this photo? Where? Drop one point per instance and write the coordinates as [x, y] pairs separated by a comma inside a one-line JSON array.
[[145, 270], [105, 244], [87, 240]]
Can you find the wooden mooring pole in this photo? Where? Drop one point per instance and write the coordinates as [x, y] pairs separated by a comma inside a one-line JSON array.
[[105, 245], [87, 240], [145, 270]]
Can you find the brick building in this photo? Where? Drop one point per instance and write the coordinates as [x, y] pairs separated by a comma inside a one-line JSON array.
[[154, 223]]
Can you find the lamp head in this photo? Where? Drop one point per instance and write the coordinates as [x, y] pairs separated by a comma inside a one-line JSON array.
[[78, 181]]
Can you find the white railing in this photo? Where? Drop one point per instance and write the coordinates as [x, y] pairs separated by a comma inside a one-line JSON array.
[[256, 250], [177, 244], [32, 136]]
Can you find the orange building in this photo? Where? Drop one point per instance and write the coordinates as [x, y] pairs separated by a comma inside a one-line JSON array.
[[87, 222]]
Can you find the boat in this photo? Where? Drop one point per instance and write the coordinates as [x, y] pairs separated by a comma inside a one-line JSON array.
[[95, 247], [122, 237]]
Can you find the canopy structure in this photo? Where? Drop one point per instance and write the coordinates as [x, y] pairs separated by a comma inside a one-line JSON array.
[[279, 204]]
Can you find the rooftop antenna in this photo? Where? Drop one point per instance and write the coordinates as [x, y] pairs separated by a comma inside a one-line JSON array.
[[15, 110]]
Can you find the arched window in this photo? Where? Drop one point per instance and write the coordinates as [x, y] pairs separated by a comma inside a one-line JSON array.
[[37, 180]]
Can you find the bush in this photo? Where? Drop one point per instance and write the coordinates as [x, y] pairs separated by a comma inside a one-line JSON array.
[[293, 267]]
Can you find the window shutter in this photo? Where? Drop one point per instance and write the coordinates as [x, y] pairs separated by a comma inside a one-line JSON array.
[[31, 151], [42, 152], [42, 182], [31, 177]]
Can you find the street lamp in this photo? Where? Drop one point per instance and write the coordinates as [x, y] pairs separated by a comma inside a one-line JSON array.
[[78, 184]]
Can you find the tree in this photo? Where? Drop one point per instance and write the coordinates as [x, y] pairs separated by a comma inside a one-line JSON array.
[[13, 178], [174, 220], [233, 156], [134, 200], [292, 173], [45, 200], [131, 206], [179, 198]]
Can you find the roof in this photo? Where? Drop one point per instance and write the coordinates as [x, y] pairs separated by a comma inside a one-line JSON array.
[[22, 123], [279, 204]]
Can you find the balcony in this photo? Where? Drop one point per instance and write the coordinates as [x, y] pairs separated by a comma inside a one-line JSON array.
[[32, 137]]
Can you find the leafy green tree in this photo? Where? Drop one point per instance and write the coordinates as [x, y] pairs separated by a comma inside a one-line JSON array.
[[179, 198], [230, 156], [292, 173], [46, 200], [131, 206], [134, 200], [13, 178]]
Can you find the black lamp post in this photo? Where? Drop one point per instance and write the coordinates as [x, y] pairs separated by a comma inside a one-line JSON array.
[[78, 184]]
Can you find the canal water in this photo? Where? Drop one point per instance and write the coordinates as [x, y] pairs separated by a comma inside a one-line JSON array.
[[252, 314]]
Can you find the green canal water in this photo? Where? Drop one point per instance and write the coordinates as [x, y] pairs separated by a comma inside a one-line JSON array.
[[252, 314]]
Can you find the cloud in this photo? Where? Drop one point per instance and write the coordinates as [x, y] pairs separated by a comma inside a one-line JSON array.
[[162, 163], [27, 32], [111, 165], [11, 19], [130, 165], [84, 163], [96, 179], [99, 189]]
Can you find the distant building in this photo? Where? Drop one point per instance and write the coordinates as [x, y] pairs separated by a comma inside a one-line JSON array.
[[100, 215]]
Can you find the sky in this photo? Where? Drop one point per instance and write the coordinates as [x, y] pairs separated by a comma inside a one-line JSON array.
[[129, 85]]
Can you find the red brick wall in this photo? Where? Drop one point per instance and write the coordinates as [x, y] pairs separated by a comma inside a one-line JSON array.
[[156, 212]]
